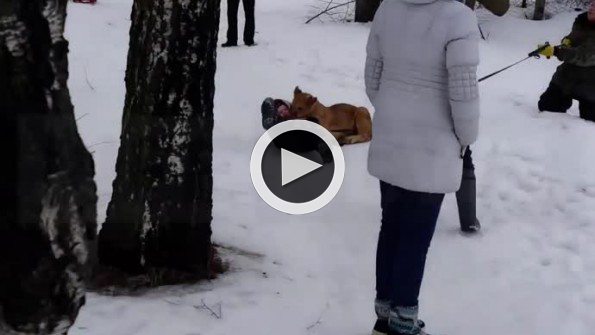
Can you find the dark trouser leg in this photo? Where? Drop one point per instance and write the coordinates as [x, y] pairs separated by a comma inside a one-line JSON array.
[[587, 110], [466, 196], [554, 100], [232, 21], [408, 224], [250, 21], [412, 217], [416, 225], [390, 204]]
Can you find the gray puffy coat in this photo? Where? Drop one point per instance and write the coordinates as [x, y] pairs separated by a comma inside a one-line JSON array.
[[420, 75]]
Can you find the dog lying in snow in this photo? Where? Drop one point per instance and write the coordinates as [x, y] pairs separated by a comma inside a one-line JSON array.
[[349, 124]]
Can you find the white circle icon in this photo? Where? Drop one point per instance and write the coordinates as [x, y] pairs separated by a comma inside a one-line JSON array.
[[294, 166]]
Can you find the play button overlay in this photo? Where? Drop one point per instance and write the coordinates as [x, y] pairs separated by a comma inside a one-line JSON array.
[[297, 167]]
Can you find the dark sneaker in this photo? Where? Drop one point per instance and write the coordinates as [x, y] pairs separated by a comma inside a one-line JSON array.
[[418, 332], [381, 327], [472, 229], [269, 113], [229, 44]]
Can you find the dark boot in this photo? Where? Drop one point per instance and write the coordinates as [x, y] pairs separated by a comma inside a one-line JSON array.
[[466, 202]]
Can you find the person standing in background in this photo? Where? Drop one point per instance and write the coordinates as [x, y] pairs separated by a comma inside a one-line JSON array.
[[232, 22]]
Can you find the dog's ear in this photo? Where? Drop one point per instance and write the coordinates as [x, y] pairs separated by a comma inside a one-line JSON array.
[[297, 90], [313, 99]]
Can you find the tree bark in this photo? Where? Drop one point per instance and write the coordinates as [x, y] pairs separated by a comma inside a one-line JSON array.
[[160, 212], [48, 196], [366, 9], [539, 10]]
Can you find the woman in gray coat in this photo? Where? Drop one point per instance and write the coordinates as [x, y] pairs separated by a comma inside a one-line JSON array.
[[420, 75]]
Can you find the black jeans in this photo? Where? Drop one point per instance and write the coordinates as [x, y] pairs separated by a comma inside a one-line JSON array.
[[554, 100], [408, 224], [232, 21]]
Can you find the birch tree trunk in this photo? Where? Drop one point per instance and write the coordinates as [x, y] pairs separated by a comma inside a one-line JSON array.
[[47, 193], [159, 215]]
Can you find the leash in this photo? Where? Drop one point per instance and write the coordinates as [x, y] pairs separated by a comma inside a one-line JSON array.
[[532, 54]]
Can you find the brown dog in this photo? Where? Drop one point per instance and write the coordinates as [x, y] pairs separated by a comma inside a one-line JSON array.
[[349, 124]]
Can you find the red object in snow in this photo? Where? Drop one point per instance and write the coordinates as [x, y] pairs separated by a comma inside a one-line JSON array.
[[85, 1]]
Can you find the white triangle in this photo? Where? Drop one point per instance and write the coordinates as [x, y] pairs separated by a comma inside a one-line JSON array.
[[295, 166]]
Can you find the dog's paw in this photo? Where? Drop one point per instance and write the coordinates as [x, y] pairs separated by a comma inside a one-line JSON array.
[[351, 141]]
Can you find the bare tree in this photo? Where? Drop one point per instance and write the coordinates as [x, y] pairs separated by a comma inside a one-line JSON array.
[[539, 13], [47, 192], [160, 212]]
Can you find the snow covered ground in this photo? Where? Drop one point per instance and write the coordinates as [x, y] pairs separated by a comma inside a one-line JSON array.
[[531, 271]]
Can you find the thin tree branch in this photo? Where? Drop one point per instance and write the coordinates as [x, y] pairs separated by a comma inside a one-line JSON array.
[[82, 116], [100, 143], [87, 77], [205, 306], [329, 9], [481, 31], [319, 321], [172, 302]]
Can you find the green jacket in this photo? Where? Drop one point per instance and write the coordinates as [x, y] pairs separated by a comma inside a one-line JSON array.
[[576, 75], [581, 51]]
